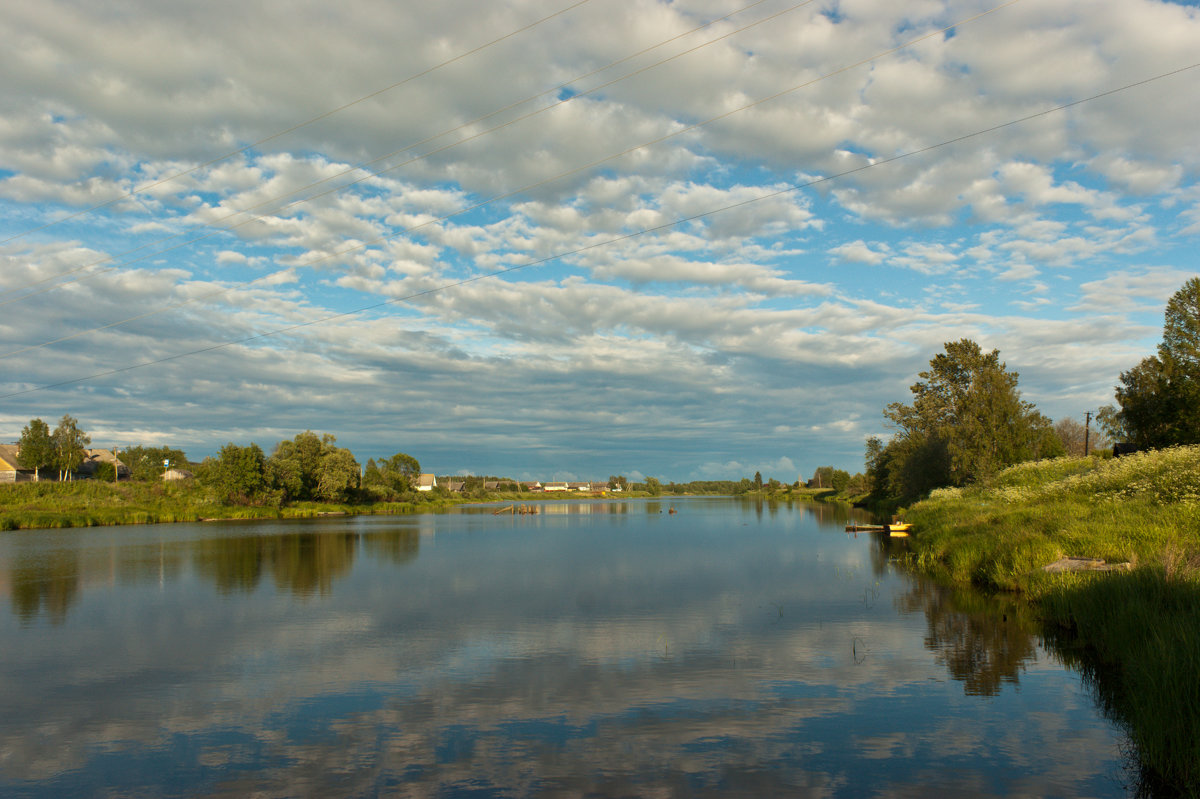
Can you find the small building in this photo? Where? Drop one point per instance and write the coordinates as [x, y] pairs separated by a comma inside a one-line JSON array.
[[556, 486], [11, 470], [456, 485], [426, 482], [92, 458], [177, 474]]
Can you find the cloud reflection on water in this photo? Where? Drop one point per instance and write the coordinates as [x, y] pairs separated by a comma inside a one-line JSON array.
[[738, 654]]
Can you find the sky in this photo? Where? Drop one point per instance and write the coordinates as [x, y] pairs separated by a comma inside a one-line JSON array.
[[553, 239]]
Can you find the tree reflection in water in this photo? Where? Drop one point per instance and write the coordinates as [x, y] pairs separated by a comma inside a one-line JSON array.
[[49, 583], [984, 642]]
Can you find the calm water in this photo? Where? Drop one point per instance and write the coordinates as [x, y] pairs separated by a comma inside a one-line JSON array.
[[600, 648]]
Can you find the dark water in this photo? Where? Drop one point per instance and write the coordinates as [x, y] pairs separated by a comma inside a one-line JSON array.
[[599, 648]]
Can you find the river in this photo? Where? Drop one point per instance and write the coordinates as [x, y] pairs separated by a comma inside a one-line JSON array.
[[599, 648]]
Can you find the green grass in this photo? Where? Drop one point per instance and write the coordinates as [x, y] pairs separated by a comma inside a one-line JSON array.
[[87, 503], [1131, 509], [1135, 635]]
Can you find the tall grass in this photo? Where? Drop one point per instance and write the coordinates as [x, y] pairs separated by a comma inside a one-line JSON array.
[[1135, 634], [1130, 509]]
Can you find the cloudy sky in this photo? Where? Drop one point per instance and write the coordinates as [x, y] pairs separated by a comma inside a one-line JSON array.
[[554, 238]]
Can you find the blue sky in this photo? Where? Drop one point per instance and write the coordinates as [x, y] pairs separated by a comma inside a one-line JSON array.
[[710, 290]]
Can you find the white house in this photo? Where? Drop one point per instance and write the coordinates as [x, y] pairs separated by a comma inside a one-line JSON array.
[[426, 482]]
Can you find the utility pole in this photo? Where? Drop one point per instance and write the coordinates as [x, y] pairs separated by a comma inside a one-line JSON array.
[[1087, 433]]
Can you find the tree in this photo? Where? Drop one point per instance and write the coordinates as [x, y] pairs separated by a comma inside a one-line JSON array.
[[147, 463], [1159, 398], [393, 476], [36, 448], [1108, 419], [372, 477], [401, 472], [653, 486], [338, 477], [1181, 329], [238, 474], [966, 422], [310, 467], [69, 443], [1075, 436], [295, 466], [758, 481]]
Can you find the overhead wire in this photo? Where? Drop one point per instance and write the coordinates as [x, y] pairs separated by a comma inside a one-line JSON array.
[[476, 206], [607, 242], [300, 125], [426, 140]]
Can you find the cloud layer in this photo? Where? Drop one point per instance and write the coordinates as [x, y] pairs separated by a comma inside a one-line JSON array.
[[620, 239]]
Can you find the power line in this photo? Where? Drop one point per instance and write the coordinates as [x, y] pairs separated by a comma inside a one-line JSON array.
[[300, 125], [406, 147], [605, 243], [495, 198]]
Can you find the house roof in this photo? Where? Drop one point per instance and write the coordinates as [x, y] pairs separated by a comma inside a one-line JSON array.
[[427, 480], [94, 457], [8, 458]]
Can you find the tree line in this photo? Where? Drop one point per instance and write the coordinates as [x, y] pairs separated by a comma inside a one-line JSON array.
[[967, 420], [306, 468]]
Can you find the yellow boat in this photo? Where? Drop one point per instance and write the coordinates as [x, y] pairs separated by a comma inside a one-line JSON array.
[[899, 529]]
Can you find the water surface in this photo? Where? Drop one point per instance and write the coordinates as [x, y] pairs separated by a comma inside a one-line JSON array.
[[597, 648]]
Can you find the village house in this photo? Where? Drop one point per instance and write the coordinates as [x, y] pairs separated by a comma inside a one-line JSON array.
[[426, 482], [92, 458], [10, 470]]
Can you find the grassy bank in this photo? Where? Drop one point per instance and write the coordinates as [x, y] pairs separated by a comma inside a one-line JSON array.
[[1134, 633], [89, 503]]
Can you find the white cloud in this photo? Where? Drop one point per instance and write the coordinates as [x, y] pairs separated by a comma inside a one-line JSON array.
[[861, 252]]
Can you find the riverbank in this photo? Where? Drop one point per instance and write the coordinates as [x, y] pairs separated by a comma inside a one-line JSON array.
[[1135, 631], [89, 503]]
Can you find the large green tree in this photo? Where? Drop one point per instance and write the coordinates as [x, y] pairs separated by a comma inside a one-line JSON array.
[[339, 476], [69, 442], [237, 475], [391, 477], [36, 447], [311, 467], [1159, 398], [966, 422]]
